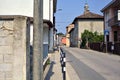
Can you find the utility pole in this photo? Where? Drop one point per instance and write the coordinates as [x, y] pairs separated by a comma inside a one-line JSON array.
[[38, 40]]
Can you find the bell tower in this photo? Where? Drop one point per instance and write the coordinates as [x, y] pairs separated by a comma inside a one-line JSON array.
[[86, 8]]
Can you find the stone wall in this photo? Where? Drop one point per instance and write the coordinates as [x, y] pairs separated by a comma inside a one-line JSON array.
[[6, 50], [14, 48]]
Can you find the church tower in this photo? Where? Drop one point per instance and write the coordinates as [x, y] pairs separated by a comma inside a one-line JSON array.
[[86, 8]]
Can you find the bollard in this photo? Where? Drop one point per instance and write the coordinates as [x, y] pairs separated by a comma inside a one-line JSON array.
[[64, 67], [61, 58], [63, 63], [112, 47]]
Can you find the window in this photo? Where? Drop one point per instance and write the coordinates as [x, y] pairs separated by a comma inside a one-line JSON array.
[[115, 35]]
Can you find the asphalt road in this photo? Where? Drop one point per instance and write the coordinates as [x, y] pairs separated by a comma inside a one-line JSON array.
[[93, 65]]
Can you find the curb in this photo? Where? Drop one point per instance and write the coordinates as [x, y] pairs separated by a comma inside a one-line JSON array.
[[45, 63]]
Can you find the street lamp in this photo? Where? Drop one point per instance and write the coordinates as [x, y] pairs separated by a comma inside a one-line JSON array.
[[59, 10]]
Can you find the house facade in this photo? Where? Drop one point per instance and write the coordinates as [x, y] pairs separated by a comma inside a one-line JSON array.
[[112, 21], [68, 29], [16, 37], [63, 40], [87, 21], [15, 47], [21, 8], [55, 37], [46, 41], [72, 38], [48, 27]]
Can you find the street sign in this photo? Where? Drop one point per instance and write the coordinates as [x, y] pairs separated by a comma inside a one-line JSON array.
[[106, 32]]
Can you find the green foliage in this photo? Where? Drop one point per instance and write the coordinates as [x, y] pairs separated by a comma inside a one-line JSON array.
[[48, 62], [88, 36], [60, 34]]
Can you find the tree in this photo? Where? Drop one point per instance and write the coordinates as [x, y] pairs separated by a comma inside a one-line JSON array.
[[89, 37], [60, 34]]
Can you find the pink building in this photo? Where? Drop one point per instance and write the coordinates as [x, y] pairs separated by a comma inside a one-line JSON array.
[[63, 40]]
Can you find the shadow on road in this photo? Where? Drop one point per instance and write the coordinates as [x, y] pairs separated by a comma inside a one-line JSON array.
[[50, 72]]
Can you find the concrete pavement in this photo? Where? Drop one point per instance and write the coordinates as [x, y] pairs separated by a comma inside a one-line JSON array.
[[89, 63], [54, 70]]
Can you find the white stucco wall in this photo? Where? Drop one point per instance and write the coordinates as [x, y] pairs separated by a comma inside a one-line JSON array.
[[91, 26], [25, 7], [16, 7], [46, 11], [51, 11], [45, 35], [31, 34], [119, 15]]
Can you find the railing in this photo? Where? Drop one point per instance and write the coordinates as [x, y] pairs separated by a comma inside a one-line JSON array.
[[102, 47], [96, 46], [113, 21], [117, 48]]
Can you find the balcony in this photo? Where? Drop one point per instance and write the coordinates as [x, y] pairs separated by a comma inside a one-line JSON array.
[[113, 21]]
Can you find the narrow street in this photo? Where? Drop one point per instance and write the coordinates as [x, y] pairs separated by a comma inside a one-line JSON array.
[[93, 65]]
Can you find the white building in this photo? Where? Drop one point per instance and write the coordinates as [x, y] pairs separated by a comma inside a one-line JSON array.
[[25, 7], [87, 21]]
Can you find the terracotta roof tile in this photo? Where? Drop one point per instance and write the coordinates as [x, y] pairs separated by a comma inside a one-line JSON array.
[[90, 15]]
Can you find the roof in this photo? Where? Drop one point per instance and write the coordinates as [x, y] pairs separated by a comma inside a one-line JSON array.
[[71, 30], [11, 17], [89, 15], [111, 4], [69, 27], [48, 22]]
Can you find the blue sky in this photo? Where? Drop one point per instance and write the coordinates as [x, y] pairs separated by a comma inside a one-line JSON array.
[[74, 8]]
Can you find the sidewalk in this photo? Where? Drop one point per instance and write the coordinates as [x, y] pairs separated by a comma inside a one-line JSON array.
[[53, 71]]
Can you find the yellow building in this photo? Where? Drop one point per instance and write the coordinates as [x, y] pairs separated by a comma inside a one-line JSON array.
[[68, 29]]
